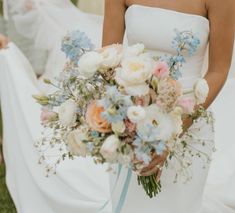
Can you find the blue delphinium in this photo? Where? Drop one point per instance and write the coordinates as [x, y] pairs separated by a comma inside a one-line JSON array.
[[75, 43], [115, 105], [185, 40], [142, 150], [159, 146]]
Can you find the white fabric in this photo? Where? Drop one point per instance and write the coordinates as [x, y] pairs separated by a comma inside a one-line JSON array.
[[78, 186], [220, 189], [47, 21], [157, 36]]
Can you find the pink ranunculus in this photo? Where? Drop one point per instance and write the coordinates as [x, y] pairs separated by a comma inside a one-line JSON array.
[[187, 104], [47, 115], [161, 70]]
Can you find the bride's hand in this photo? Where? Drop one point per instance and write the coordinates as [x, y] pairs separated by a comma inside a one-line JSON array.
[[3, 41], [155, 166], [187, 123]]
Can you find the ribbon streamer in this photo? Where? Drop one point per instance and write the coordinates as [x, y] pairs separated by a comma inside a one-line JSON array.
[[123, 193]]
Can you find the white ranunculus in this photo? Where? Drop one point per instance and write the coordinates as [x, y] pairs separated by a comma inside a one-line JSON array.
[[201, 90], [118, 127], [75, 143], [136, 114], [133, 74], [135, 50], [164, 128], [111, 55], [89, 63], [67, 113], [109, 148]]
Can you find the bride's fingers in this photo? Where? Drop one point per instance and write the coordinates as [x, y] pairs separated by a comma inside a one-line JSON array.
[[155, 163], [159, 174], [158, 160], [150, 172]]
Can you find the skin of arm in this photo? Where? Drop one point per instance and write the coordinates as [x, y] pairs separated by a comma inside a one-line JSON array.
[[3, 41], [222, 30], [114, 22], [221, 15]]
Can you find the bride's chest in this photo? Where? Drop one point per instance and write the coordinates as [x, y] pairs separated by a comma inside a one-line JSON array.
[[155, 27]]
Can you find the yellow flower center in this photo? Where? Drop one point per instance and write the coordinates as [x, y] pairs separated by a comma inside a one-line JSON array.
[[134, 67]]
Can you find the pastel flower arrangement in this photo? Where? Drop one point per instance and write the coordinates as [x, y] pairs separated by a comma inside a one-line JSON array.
[[119, 104]]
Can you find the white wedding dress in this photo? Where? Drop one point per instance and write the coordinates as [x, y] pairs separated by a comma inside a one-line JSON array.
[[80, 186], [155, 28]]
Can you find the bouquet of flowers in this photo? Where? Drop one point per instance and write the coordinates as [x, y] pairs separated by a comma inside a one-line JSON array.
[[120, 105]]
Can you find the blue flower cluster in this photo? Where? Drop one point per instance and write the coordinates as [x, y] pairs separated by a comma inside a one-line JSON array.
[[185, 40], [143, 149], [75, 43], [115, 105], [175, 63]]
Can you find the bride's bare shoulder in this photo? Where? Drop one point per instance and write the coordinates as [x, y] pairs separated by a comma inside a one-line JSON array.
[[220, 8], [222, 15]]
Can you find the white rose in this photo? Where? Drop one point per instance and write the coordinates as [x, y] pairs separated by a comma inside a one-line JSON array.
[[135, 50], [109, 148], [118, 127], [164, 128], [201, 90], [136, 114], [67, 113], [75, 143], [133, 74], [89, 63], [111, 55]]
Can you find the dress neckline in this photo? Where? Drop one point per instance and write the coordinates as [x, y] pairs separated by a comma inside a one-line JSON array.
[[169, 11]]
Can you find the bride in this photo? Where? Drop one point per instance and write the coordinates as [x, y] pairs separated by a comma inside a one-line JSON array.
[[73, 191], [153, 23]]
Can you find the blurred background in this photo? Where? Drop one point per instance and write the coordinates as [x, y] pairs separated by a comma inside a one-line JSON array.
[[7, 28]]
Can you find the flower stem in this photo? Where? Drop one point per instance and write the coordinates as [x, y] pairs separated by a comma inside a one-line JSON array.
[[150, 185]]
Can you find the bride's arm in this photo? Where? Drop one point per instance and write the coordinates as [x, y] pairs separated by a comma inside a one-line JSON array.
[[222, 29], [114, 22]]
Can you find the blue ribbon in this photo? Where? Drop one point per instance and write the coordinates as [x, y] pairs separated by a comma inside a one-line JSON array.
[[124, 190], [112, 191]]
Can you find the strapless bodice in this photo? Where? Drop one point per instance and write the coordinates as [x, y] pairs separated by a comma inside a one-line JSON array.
[[155, 28]]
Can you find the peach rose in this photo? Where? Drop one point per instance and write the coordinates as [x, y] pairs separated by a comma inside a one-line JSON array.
[[95, 120]]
